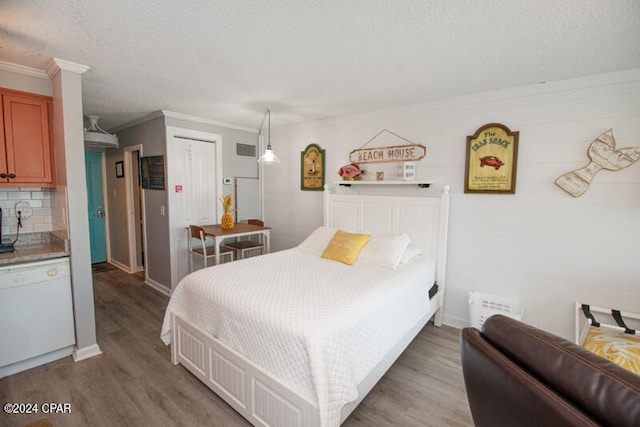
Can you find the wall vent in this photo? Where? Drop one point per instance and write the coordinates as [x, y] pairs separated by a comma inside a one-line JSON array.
[[246, 150]]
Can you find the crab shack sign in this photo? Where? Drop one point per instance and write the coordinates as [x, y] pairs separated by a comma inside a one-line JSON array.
[[396, 153], [492, 157]]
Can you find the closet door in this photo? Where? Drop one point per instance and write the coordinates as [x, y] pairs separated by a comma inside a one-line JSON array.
[[194, 183]]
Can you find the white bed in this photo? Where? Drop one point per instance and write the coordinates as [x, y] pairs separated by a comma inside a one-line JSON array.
[[291, 339]]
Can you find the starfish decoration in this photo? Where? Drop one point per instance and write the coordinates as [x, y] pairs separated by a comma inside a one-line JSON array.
[[603, 155]]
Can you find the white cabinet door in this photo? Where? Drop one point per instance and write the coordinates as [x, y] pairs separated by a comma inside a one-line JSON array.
[[194, 180]]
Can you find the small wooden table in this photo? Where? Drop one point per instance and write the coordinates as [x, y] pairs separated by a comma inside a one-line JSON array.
[[240, 229]]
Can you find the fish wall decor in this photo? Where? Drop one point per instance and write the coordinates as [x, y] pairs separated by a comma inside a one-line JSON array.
[[603, 155]]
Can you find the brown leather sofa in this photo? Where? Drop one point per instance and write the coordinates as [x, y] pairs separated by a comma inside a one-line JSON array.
[[518, 375]]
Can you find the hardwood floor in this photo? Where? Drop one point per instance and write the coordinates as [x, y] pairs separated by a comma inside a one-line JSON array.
[[133, 382]]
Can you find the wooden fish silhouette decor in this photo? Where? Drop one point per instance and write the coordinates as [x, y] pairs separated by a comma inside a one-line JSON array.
[[603, 155]]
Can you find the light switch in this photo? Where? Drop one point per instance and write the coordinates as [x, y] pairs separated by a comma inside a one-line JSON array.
[[162, 210]]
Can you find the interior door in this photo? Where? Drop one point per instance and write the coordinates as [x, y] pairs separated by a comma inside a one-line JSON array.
[[194, 181], [95, 207]]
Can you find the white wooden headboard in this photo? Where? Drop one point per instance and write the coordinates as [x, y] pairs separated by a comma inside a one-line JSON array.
[[424, 219]]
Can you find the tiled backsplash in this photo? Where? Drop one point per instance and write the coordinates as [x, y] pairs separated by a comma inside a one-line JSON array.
[[41, 217]]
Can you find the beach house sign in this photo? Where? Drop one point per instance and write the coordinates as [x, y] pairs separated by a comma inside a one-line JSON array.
[[397, 153], [411, 152]]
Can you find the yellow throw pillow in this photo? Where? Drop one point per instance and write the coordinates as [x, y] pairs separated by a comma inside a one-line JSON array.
[[345, 247], [622, 349]]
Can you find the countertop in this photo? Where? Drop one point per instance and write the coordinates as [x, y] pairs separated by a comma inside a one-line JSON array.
[[34, 252]]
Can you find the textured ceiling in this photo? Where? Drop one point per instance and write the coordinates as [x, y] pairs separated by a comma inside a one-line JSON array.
[[227, 60]]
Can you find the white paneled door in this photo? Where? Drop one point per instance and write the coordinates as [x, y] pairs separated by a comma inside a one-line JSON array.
[[194, 183]]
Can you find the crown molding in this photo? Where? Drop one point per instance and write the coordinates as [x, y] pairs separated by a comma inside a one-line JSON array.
[[164, 113], [55, 65], [21, 69], [135, 122], [187, 117]]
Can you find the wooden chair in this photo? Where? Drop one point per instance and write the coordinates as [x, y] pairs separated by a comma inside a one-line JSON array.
[[245, 246], [197, 245]]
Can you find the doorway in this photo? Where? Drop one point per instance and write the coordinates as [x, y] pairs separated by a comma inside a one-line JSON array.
[[135, 208], [95, 206]]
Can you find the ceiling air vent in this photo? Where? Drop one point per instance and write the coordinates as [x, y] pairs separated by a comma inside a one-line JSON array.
[[246, 150]]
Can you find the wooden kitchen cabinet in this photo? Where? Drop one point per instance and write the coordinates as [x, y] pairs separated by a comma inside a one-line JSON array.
[[26, 140]]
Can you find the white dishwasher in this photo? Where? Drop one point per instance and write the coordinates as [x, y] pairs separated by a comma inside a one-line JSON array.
[[36, 314]]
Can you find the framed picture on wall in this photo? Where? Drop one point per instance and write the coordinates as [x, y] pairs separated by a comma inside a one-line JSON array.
[[152, 171], [492, 159], [120, 169], [312, 168]]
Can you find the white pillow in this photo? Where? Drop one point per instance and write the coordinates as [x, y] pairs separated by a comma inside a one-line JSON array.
[[317, 241], [409, 254], [384, 250]]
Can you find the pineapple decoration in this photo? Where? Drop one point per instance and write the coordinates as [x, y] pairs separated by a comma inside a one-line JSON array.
[[227, 218]]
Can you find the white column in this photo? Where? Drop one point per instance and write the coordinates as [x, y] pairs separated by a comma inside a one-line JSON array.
[[68, 135]]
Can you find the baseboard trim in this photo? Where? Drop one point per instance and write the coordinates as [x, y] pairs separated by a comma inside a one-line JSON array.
[[121, 266], [455, 321], [86, 352], [158, 287]]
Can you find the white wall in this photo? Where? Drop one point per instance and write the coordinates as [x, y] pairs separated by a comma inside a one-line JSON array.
[[540, 245], [13, 78]]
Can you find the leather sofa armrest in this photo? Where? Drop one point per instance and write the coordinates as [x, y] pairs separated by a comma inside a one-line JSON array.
[[501, 393], [606, 392]]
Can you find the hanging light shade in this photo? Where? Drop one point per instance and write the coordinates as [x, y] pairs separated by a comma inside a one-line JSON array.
[[269, 156]]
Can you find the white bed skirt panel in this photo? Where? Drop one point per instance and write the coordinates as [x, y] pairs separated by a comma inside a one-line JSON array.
[[255, 394]]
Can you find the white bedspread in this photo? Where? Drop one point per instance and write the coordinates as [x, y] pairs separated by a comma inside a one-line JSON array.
[[318, 325]]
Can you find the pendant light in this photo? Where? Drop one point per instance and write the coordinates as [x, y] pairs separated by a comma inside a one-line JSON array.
[[269, 156]]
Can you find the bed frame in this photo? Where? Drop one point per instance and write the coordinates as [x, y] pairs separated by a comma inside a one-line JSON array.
[[260, 397]]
